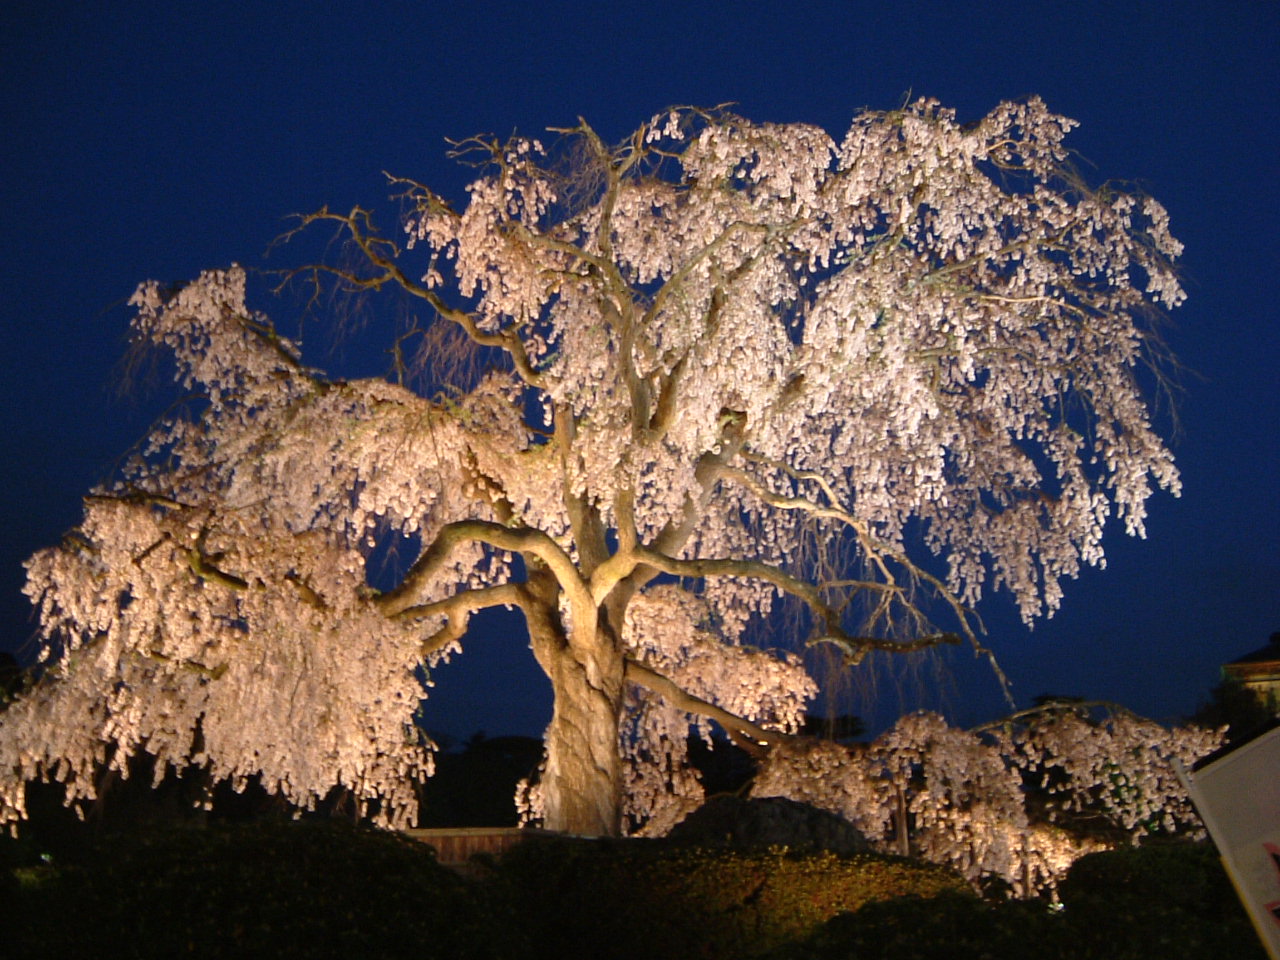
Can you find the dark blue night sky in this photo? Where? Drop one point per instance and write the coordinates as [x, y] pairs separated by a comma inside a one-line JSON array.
[[152, 140]]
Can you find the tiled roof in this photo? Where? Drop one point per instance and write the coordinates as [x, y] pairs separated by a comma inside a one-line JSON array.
[[1267, 654]]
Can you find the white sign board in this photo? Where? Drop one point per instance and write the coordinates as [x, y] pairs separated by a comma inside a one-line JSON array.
[[1238, 797]]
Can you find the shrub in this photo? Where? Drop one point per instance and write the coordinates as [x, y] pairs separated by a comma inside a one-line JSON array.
[[950, 926], [279, 889], [1158, 900], [1145, 903], [322, 889], [647, 899]]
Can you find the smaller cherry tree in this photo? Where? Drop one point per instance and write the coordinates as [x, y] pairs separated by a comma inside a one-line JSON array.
[[1118, 770], [1020, 799]]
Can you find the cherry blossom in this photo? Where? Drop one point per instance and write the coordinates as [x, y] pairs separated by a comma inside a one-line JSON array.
[[1020, 799], [721, 372]]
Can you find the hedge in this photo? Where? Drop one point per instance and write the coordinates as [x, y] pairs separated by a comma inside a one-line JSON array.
[[650, 899], [1145, 903], [323, 889], [269, 889]]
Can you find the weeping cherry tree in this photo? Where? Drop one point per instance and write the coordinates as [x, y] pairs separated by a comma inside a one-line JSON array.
[[681, 385]]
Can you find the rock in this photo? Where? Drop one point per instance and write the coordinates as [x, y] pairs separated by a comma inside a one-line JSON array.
[[767, 822]]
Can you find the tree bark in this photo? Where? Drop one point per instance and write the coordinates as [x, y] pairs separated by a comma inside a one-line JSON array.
[[582, 779]]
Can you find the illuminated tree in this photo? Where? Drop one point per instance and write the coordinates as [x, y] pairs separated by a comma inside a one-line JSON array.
[[995, 801], [676, 381]]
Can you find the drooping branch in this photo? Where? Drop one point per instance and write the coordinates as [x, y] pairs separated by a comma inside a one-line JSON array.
[[854, 647], [1051, 708], [752, 737], [380, 253], [875, 551]]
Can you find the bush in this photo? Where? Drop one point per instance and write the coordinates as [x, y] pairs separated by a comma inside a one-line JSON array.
[[653, 899], [323, 889], [1145, 903], [1159, 900], [272, 889], [950, 926]]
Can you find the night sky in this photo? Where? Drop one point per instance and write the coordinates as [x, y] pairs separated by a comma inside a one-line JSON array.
[[150, 140]]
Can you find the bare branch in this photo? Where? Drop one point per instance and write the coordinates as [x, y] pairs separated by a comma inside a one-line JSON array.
[[205, 570], [381, 253], [879, 554], [854, 647]]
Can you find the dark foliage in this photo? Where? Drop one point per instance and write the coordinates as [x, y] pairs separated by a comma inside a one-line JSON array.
[[1150, 903], [763, 822], [723, 766], [1239, 709], [1160, 900], [322, 889], [476, 787], [653, 899], [844, 727], [315, 889], [12, 678], [951, 926]]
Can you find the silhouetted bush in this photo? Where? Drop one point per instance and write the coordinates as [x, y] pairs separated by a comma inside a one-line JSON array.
[[1160, 900], [951, 926], [1146, 903], [274, 889], [322, 889], [654, 899], [477, 787]]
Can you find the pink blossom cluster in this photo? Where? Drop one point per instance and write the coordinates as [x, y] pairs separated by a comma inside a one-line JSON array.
[[716, 374], [1020, 800]]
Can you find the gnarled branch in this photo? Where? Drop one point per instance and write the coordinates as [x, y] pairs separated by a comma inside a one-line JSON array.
[[752, 737]]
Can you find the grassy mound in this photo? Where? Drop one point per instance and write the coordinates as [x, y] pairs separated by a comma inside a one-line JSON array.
[[1161, 900], [951, 926]]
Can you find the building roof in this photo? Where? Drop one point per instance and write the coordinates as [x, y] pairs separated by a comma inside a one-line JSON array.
[[1268, 654]]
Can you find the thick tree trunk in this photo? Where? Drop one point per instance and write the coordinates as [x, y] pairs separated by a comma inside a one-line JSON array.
[[582, 780]]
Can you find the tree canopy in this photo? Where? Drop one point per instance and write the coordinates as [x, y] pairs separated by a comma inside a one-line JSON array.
[[675, 382]]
